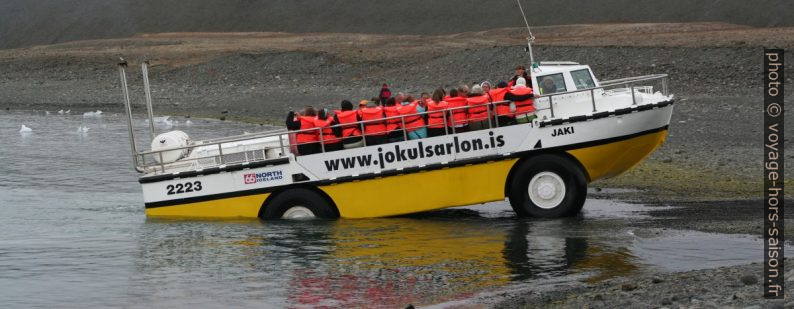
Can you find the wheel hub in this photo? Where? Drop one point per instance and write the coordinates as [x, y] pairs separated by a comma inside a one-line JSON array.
[[546, 190], [298, 213]]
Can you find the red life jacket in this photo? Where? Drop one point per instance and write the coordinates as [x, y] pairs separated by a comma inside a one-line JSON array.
[[328, 136], [309, 136], [413, 120], [374, 127], [478, 108], [435, 113], [393, 123], [498, 95], [458, 114], [526, 106], [349, 122]]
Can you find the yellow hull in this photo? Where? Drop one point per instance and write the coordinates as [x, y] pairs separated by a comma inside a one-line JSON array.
[[429, 190]]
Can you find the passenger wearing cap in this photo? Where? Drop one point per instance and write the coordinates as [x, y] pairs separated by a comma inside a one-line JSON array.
[[523, 108], [478, 109], [374, 124]]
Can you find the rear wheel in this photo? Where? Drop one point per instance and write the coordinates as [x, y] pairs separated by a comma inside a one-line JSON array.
[[298, 204], [548, 186]]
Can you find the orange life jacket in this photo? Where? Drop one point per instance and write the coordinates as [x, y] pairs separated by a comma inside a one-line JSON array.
[[526, 106], [374, 127], [478, 108], [328, 136], [435, 113], [309, 136], [498, 95], [393, 123], [459, 114], [349, 122], [413, 120]]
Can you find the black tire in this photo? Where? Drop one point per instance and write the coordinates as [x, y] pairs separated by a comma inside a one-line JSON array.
[[544, 166], [319, 206]]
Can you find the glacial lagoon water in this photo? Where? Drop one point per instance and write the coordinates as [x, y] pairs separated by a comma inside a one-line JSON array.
[[73, 234]]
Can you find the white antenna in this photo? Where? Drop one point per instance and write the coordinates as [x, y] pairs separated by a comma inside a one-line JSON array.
[[530, 38]]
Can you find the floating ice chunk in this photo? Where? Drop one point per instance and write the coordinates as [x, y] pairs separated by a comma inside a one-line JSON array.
[[83, 129], [188, 122], [25, 129], [46, 112], [67, 111], [60, 112], [93, 114]]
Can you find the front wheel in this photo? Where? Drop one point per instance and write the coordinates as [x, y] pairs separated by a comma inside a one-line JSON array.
[[548, 186], [298, 204]]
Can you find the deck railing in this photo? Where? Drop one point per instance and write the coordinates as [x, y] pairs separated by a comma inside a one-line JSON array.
[[146, 160]]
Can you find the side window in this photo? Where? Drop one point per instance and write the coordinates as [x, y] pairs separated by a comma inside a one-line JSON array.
[[582, 79], [553, 83]]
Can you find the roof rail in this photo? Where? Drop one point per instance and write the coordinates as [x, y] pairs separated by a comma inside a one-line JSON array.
[[558, 63]]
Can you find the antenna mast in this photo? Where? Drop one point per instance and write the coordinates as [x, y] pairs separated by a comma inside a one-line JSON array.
[[530, 38]]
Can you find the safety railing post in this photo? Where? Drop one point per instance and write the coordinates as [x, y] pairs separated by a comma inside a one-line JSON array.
[[592, 99], [322, 141], [452, 119], [444, 118], [363, 134], [488, 112], [281, 145], [633, 99], [220, 154], [551, 105], [405, 131]]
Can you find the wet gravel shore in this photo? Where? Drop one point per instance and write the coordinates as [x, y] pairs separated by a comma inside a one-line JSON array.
[[724, 287]]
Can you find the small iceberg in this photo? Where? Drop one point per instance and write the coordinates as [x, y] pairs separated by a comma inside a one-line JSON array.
[[25, 129], [93, 114], [83, 129], [60, 112]]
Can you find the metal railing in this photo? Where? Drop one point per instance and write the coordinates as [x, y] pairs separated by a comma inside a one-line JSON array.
[[145, 161]]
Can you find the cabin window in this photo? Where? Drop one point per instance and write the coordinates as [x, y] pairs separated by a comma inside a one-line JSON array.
[[552, 83], [582, 79]]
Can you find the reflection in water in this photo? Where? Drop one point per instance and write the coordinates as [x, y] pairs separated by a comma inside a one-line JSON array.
[[364, 263]]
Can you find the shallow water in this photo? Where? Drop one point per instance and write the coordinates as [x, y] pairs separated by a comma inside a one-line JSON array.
[[73, 234]]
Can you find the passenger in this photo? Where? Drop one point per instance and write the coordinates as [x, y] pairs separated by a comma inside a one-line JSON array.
[[423, 100], [457, 106], [504, 117], [414, 118], [478, 109], [486, 89], [393, 121], [331, 133], [436, 110], [520, 72], [374, 125], [385, 94], [306, 140], [349, 119], [398, 98], [522, 97]]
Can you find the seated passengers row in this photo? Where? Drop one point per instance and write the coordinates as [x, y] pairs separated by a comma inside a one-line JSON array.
[[460, 110]]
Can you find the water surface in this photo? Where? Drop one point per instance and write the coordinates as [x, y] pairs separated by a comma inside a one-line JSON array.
[[73, 234]]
